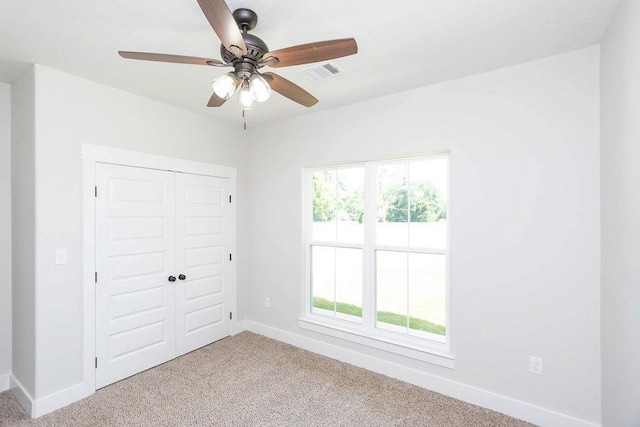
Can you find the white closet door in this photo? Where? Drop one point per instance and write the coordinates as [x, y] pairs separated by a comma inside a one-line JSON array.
[[135, 255], [203, 232]]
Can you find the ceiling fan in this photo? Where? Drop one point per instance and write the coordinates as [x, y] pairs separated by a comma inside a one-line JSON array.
[[247, 54]]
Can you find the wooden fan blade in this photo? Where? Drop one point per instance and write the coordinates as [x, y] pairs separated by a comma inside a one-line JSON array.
[[291, 90], [215, 101], [179, 59], [313, 52], [225, 26]]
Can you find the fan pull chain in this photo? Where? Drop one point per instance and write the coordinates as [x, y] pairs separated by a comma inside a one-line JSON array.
[[244, 119]]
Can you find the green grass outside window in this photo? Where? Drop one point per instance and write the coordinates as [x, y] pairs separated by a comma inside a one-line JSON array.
[[383, 316]]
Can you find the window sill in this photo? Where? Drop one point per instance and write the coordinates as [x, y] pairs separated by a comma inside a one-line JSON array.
[[434, 353]]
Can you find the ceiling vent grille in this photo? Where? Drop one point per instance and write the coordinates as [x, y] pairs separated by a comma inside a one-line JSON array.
[[321, 72]]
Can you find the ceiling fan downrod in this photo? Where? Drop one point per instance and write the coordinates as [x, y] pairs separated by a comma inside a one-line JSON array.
[[251, 85]]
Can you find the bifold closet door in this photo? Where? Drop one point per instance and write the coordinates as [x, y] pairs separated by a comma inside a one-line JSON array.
[[203, 230], [135, 255]]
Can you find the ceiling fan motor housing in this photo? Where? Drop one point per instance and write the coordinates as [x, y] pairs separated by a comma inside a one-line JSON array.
[[256, 48]]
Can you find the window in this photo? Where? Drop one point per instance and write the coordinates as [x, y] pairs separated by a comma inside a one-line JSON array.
[[377, 251]]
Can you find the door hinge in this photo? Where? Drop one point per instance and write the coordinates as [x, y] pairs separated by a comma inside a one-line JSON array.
[[230, 315], [96, 191], [230, 258], [229, 198], [96, 277], [96, 362]]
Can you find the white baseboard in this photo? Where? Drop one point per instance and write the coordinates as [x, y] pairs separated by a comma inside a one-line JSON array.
[[21, 394], [59, 400], [5, 382], [39, 407], [487, 399]]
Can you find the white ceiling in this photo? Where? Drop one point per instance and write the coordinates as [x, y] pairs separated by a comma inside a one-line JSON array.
[[402, 44]]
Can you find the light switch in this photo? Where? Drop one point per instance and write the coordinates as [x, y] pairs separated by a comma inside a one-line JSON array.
[[61, 256]]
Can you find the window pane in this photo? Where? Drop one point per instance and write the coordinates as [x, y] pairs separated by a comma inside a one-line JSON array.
[[391, 291], [323, 276], [338, 205], [336, 282], [411, 294], [427, 295], [392, 216], [350, 205], [428, 203], [324, 206]]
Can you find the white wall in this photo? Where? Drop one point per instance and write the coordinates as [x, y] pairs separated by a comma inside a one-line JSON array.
[[525, 263], [71, 111], [620, 157], [23, 230], [5, 234]]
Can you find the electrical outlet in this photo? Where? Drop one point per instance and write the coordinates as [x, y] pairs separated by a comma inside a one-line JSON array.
[[535, 365], [267, 302], [61, 256]]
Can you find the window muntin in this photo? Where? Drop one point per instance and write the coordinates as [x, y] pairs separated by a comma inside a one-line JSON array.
[[398, 245]]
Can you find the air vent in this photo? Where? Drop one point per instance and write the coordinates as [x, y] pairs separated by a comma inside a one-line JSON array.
[[321, 72]]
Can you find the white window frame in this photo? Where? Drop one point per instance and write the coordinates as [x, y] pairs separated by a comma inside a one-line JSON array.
[[366, 333]]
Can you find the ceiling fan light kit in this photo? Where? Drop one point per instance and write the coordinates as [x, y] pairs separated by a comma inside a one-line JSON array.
[[247, 54]]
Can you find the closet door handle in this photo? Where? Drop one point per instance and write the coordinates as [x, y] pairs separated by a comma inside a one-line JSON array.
[[182, 277], [172, 278]]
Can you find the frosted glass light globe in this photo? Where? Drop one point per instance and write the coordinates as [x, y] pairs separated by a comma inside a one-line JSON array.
[[260, 89], [225, 85], [245, 99]]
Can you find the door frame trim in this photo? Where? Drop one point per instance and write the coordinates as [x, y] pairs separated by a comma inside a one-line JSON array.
[[92, 154]]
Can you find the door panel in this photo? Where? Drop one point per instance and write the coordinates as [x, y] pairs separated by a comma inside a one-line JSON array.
[[135, 254], [202, 245]]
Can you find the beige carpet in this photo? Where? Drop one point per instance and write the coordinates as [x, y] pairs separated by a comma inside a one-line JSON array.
[[250, 380]]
